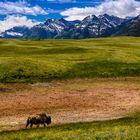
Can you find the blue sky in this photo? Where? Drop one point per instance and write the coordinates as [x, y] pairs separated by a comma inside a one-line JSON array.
[[31, 12], [52, 7]]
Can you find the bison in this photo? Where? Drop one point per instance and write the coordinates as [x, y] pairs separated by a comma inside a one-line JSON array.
[[38, 119]]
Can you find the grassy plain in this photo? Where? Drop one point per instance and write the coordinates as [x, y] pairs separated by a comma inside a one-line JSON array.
[[45, 60]]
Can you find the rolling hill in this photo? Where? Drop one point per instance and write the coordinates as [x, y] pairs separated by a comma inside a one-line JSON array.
[[44, 60]]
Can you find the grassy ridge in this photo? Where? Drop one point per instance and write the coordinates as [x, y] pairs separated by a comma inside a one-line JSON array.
[[122, 129], [34, 60]]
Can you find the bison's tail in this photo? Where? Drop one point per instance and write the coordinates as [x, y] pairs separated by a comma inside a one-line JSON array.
[[28, 122]]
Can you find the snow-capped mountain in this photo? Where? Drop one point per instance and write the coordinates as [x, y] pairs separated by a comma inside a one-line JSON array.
[[16, 32], [51, 28], [91, 26]]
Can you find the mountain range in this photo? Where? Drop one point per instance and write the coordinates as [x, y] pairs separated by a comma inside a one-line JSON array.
[[90, 27]]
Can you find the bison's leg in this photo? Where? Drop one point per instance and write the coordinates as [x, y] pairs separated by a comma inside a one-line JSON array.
[[28, 122], [44, 125], [31, 125]]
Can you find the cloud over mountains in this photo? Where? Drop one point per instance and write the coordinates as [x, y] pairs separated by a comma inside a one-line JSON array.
[[12, 21], [120, 8]]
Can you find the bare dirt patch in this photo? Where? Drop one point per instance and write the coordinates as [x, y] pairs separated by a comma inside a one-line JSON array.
[[69, 101]]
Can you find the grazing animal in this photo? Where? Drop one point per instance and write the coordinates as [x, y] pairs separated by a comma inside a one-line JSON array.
[[38, 119]]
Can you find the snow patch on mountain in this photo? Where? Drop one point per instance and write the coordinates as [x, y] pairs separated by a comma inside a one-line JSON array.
[[14, 34]]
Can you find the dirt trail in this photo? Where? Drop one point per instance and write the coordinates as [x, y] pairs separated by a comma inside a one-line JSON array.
[[67, 103]]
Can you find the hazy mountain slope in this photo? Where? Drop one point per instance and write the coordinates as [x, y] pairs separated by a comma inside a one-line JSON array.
[[129, 28]]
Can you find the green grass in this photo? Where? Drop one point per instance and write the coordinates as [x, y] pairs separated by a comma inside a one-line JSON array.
[[45, 60], [121, 129]]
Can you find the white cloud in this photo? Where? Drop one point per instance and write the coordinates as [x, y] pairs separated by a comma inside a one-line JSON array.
[[12, 21], [20, 7], [120, 8]]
